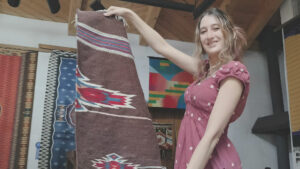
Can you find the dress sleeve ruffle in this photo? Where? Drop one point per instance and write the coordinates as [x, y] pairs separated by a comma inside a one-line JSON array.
[[236, 70], [239, 71]]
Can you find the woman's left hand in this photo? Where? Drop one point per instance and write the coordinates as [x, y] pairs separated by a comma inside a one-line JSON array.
[[119, 11]]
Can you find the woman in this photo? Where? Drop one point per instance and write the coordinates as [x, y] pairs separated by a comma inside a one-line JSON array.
[[218, 95]]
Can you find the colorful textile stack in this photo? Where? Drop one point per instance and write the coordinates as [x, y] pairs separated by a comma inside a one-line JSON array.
[[16, 97], [58, 133], [113, 125]]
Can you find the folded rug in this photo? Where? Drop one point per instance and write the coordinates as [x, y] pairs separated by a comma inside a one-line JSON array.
[[113, 124], [58, 133], [10, 71], [17, 83]]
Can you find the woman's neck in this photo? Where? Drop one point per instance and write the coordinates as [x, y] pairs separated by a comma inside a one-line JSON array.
[[213, 60], [214, 64]]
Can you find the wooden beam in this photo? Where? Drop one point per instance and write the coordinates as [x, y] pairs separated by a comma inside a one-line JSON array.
[[225, 4], [42, 48], [251, 15], [49, 48], [201, 7], [18, 47], [74, 5], [141, 10], [217, 3], [151, 19], [267, 8], [176, 25], [37, 9], [183, 6]]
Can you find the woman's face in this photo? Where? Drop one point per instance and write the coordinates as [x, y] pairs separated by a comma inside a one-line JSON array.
[[211, 35]]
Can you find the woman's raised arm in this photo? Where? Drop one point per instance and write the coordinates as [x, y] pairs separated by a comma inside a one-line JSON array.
[[155, 40]]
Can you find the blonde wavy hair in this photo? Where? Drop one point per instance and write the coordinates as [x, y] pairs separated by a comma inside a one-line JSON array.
[[234, 36]]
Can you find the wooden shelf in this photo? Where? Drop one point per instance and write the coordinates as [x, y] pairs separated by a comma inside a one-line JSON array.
[[273, 124]]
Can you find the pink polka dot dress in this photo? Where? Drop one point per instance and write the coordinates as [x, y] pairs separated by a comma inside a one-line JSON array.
[[200, 98]]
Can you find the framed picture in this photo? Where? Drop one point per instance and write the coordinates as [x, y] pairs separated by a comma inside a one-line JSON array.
[[167, 83]]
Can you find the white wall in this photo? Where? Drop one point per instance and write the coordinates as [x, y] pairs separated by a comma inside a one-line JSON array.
[[256, 151]]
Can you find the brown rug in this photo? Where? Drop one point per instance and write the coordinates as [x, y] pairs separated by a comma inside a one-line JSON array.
[[113, 125]]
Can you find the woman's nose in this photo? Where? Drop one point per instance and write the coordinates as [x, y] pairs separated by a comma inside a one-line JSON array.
[[209, 34]]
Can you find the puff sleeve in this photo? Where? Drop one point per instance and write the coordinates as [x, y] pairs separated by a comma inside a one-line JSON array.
[[239, 71]]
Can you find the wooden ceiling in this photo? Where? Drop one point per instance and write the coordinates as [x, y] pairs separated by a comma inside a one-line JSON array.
[[252, 15]]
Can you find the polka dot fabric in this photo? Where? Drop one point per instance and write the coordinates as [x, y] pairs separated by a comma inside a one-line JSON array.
[[239, 71], [200, 98]]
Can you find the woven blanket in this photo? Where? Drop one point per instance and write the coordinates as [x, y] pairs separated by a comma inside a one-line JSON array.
[[16, 98], [58, 134], [10, 70], [113, 125]]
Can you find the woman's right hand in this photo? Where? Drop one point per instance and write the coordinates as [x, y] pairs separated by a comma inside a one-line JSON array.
[[119, 11]]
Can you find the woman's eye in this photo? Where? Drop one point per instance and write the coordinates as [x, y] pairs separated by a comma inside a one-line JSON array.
[[216, 28], [202, 32]]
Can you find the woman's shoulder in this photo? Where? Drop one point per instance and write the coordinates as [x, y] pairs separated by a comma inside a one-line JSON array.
[[234, 69]]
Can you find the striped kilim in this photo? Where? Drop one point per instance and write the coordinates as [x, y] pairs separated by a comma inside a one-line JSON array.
[[10, 71], [16, 98], [113, 125]]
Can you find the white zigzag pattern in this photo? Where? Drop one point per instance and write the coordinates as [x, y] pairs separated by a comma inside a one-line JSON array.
[[122, 161], [101, 33], [83, 79]]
